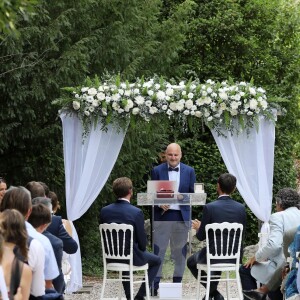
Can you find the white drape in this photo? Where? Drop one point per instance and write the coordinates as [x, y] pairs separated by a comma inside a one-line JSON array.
[[88, 164], [250, 157]]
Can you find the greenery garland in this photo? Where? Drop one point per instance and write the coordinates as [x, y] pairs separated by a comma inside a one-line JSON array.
[[219, 104]]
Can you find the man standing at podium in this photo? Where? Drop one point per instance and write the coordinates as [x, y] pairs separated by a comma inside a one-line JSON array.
[[172, 222]]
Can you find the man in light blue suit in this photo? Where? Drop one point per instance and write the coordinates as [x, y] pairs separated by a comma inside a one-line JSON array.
[[172, 222], [270, 258], [123, 212]]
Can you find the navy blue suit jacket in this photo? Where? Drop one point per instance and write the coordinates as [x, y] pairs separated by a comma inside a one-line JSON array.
[[224, 209], [57, 228], [187, 181], [123, 212]]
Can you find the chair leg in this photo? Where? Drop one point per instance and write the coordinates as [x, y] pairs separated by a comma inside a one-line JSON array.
[[131, 284], [198, 284], [147, 285], [227, 285], [103, 285], [239, 285], [207, 285]]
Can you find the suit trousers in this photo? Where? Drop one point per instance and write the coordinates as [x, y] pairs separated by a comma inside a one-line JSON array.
[[175, 234], [200, 258], [154, 263]]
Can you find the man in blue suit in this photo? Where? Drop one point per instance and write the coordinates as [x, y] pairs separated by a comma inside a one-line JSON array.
[[224, 209], [123, 212], [172, 222]]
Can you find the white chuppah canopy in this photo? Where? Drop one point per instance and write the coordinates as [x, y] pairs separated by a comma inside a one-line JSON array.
[[88, 164], [250, 157]]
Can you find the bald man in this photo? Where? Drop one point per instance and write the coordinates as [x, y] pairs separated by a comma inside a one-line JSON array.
[[172, 222]]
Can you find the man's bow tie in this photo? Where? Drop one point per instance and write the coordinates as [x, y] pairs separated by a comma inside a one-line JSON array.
[[173, 169]]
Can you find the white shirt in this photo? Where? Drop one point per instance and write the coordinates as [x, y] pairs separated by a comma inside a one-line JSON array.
[[51, 269], [36, 261], [175, 176]]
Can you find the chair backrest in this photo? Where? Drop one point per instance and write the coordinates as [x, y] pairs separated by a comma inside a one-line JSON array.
[[117, 242], [223, 241]]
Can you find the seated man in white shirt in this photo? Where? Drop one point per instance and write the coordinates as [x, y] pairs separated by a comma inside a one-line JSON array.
[[19, 198]]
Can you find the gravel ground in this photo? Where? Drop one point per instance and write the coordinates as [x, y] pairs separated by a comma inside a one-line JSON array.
[[92, 286]]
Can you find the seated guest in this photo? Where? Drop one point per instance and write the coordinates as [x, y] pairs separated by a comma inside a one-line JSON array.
[[123, 212], [40, 218], [270, 259], [35, 189], [19, 198], [16, 273], [3, 187], [224, 209]]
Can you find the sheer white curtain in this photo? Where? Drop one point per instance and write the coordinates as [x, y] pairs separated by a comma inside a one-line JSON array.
[[88, 163], [250, 157]]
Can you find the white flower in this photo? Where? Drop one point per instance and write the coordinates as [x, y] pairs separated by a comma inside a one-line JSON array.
[[181, 83], [121, 91], [264, 104], [116, 97], [180, 106], [157, 86], [261, 90], [87, 113], [107, 99], [76, 96], [233, 112], [214, 95], [139, 100], [115, 106], [150, 92], [253, 104], [76, 105], [189, 104], [198, 114], [209, 90], [136, 91], [234, 105], [120, 110], [249, 113], [167, 98], [148, 103], [183, 93], [100, 88], [153, 110], [190, 95], [194, 107], [173, 106], [169, 92], [223, 106], [204, 93], [209, 118], [91, 108], [164, 107], [243, 83], [160, 95], [89, 99], [95, 103], [92, 91], [135, 110], [242, 94], [169, 112], [206, 114], [186, 112], [192, 112], [252, 91], [127, 93], [84, 89], [104, 111], [237, 97], [129, 105], [223, 95], [207, 100], [100, 96], [123, 85], [181, 101], [213, 105], [199, 102]]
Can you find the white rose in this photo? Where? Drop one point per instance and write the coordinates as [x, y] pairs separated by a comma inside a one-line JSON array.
[[206, 114], [204, 93], [115, 97], [87, 113], [243, 83], [95, 103], [192, 113], [121, 91], [253, 104], [169, 112], [193, 86], [90, 99], [139, 100], [186, 112], [249, 113], [181, 83], [136, 91], [150, 92], [127, 93], [234, 105], [129, 105], [153, 110], [169, 92], [190, 95], [214, 95], [115, 106], [92, 91], [209, 118], [237, 97], [100, 88], [167, 98], [199, 102], [261, 90], [264, 104], [107, 99], [233, 112], [189, 104], [182, 101], [209, 90], [157, 86], [183, 93], [242, 94], [223, 95], [84, 89], [173, 106], [148, 103], [180, 106], [164, 107], [207, 100], [120, 110], [100, 96], [252, 91], [160, 95], [91, 108], [76, 105], [213, 105], [123, 85], [198, 114], [223, 106], [135, 110], [76, 96]]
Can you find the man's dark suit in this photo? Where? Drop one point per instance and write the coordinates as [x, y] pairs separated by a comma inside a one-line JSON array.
[[224, 209], [57, 228], [175, 231], [123, 212], [57, 245]]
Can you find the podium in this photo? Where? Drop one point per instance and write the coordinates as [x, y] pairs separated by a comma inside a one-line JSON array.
[[171, 239]]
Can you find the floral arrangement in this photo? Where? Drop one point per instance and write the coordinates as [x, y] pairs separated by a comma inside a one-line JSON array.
[[218, 104]]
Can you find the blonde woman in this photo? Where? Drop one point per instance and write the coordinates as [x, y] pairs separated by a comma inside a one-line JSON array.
[[17, 274]]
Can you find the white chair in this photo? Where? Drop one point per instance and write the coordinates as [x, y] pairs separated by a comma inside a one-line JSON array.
[[228, 247], [117, 245]]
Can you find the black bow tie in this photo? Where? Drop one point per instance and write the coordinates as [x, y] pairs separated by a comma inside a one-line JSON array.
[[173, 169]]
